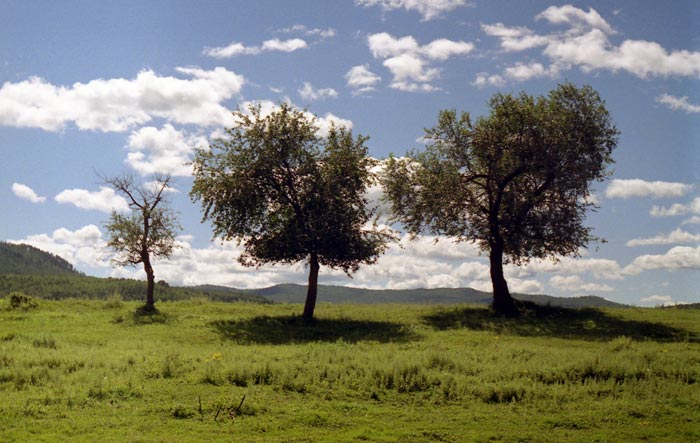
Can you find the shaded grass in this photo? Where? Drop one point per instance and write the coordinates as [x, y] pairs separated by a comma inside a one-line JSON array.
[[289, 329], [547, 321]]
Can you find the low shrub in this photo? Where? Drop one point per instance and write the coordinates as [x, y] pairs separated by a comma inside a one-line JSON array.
[[22, 301]]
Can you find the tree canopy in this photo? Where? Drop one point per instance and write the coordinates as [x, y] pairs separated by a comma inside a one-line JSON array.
[[148, 232], [289, 195], [517, 182]]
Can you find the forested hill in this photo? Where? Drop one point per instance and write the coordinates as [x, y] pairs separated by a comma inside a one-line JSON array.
[[27, 260], [291, 293], [42, 274]]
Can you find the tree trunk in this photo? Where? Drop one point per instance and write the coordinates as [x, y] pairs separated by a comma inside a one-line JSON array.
[[312, 290], [150, 285], [146, 258], [502, 301]]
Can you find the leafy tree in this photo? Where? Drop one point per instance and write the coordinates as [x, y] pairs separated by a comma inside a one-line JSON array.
[[148, 232], [517, 182], [289, 195]]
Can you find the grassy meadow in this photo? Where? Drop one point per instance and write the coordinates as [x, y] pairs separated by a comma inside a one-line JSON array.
[[203, 371]]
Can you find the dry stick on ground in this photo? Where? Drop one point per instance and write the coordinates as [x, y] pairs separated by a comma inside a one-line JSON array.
[[232, 412]]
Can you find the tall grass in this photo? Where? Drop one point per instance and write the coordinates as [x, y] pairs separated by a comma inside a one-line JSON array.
[[247, 372]]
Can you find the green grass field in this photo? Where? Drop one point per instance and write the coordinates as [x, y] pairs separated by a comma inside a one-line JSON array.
[[80, 370]]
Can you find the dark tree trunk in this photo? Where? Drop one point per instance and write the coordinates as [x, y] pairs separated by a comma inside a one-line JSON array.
[[150, 285], [503, 303], [146, 258], [312, 290]]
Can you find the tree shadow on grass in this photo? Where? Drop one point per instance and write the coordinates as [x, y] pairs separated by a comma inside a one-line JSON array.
[[292, 329], [548, 321], [149, 315]]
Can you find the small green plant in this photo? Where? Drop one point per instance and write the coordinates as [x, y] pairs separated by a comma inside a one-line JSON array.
[[181, 412], [114, 301], [45, 342], [22, 301], [8, 337]]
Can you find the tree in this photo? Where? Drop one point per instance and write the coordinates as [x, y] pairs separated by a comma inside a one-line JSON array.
[[289, 195], [148, 232], [517, 182]]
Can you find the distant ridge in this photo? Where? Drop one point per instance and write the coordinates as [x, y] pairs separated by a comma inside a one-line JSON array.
[[293, 293], [42, 274], [24, 259]]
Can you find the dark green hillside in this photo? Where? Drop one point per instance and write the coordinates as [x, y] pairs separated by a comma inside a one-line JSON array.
[[41, 274], [291, 293], [58, 287], [585, 301], [24, 259]]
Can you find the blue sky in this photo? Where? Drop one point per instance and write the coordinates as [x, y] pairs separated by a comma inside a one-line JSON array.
[[96, 88]]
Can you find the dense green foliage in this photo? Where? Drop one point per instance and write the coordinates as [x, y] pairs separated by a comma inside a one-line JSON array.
[[290, 195], [25, 259], [516, 182], [92, 371]]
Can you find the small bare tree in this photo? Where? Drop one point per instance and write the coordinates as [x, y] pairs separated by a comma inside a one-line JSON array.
[[148, 232]]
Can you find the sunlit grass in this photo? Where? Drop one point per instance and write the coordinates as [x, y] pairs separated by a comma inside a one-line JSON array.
[[83, 370]]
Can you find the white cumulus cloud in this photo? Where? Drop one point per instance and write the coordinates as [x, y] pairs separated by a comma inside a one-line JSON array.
[[678, 257], [104, 200], [162, 150], [626, 188], [677, 236], [311, 32], [324, 122], [309, 93], [574, 283], [428, 9], [576, 18], [412, 64], [658, 300], [678, 103], [484, 79], [598, 267], [694, 220], [586, 42], [677, 209], [82, 247], [26, 193], [522, 72], [235, 48], [361, 79], [116, 105], [518, 38]]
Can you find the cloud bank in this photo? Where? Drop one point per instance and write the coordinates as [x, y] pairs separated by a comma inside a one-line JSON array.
[[116, 105], [412, 64], [587, 44]]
